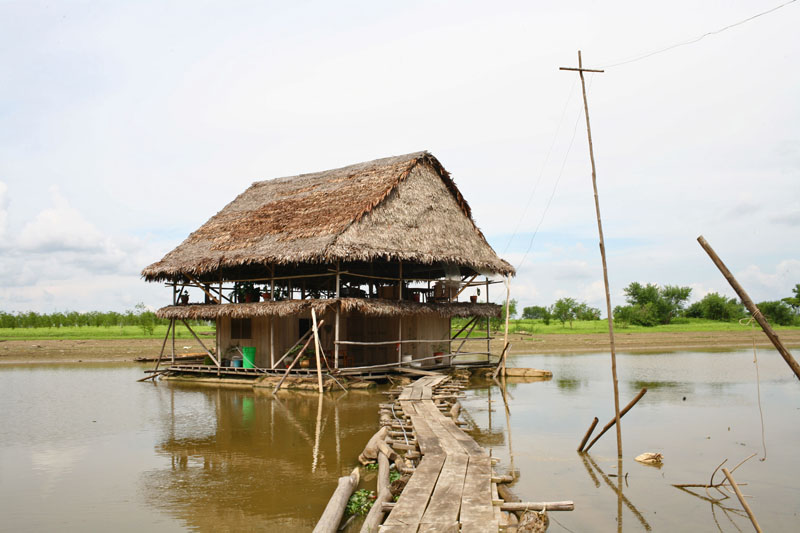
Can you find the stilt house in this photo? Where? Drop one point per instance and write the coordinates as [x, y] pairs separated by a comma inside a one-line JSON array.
[[384, 252]]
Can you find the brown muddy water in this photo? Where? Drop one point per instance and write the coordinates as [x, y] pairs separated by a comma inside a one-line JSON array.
[[84, 447]]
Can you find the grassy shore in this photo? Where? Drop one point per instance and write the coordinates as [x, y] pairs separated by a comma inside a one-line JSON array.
[[98, 332]]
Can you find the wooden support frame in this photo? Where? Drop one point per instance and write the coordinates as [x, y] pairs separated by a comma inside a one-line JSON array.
[[208, 352], [338, 313]]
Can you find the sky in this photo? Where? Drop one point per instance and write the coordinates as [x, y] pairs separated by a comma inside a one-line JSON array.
[[125, 125]]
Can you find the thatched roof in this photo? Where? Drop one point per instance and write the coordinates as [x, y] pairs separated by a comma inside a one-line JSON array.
[[373, 307], [398, 208]]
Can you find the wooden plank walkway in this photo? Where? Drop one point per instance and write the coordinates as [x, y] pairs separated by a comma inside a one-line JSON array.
[[451, 488]]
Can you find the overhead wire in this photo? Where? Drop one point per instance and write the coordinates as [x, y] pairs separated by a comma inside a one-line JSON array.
[[696, 39], [544, 165], [555, 185]]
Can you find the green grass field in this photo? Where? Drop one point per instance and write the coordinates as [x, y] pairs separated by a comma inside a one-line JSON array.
[[96, 332], [536, 327], [679, 325]]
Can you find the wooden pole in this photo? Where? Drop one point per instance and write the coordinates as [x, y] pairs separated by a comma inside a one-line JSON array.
[[316, 351], [741, 499], [580, 71], [588, 434], [748, 303], [505, 336], [297, 358], [488, 326], [400, 317], [383, 471], [620, 414], [208, 352], [329, 521], [375, 516], [338, 311]]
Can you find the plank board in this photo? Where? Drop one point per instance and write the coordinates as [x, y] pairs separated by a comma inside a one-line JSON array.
[[415, 496], [445, 504], [426, 437], [477, 512]]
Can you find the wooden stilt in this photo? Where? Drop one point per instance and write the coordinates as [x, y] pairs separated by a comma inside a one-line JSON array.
[[617, 417], [317, 348], [294, 361], [336, 326], [208, 352]]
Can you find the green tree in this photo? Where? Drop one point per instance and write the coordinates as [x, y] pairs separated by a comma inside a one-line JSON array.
[[584, 312], [564, 310], [794, 301], [777, 312], [651, 304], [534, 312], [714, 306], [147, 319]]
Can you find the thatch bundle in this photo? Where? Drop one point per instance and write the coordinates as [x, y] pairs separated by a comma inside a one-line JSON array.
[[372, 307], [398, 208]]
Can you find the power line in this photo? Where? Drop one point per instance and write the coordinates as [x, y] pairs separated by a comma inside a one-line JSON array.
[[541, 172], [692, 41], [555, 185]]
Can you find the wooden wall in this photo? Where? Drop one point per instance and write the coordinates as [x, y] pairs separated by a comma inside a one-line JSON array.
[[355, 327]]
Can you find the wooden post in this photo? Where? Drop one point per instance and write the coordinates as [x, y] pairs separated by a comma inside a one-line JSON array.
[[505, 336], [580, 71], [488, 326], [619, 415], [272, 318], [173, 341], [588, 434], [336, 327], [748, 303], [400, 317], [742, 500], [329, 521], [316, 350], [294, 361]]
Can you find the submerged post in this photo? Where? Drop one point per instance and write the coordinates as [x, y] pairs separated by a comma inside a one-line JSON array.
[[580, 71]]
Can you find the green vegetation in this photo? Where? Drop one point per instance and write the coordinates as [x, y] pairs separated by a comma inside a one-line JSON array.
[[650, 304], [100, 332], [139, 323], [360, 502]]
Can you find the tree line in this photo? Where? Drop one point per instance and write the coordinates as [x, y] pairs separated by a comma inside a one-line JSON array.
[[651, 305], [139, 316]]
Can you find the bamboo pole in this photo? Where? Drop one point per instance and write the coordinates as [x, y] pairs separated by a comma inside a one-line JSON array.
[[301, 339], [620, 415], [338, 312], [748, 303], [211, 355], [580, 71], [160, 354], [294, 361], [505, 336], [588, 434], [316, 348], [742, 500]]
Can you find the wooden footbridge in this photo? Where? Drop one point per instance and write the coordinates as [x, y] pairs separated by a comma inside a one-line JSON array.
[[451, 488]]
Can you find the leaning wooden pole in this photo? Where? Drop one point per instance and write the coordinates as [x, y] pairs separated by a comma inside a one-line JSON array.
[[748, 303], [316, 349], [744, 503], [329, 521], [505, 335], [581, 70], [614, 420]]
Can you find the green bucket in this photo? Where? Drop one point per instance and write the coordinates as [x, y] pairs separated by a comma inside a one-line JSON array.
[[248, 356]]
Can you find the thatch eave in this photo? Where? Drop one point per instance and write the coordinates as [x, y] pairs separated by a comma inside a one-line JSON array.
[[370, 307]]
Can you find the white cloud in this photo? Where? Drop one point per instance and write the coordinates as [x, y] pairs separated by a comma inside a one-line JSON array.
[[3, 208], [60, 228], [761, 285]]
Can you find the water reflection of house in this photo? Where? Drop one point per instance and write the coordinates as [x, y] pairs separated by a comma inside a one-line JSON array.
[[268, 464], [386, 252]]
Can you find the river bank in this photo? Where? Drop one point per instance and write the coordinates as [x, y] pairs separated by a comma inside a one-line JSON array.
[[126, 350]]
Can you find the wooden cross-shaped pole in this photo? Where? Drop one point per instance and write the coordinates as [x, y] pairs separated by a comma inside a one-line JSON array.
[[580, 70]]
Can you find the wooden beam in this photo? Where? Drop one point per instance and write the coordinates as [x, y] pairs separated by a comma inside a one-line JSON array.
[[211, 355], [317, 349]]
